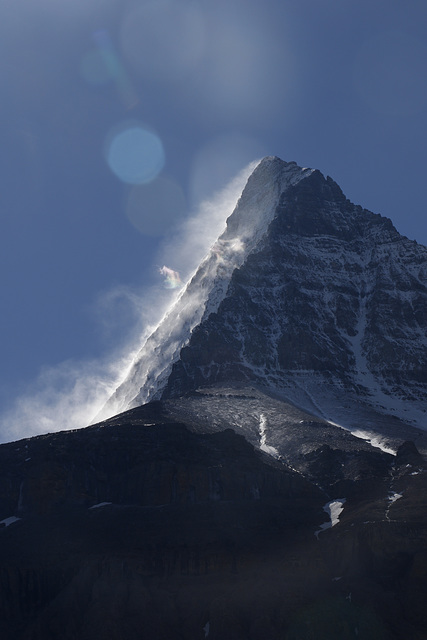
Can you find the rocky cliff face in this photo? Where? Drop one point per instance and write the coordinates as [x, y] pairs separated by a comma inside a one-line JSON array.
[[332, 290], [305, 295]]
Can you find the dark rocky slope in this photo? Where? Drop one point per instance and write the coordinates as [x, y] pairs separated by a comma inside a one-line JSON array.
[[206, 536]]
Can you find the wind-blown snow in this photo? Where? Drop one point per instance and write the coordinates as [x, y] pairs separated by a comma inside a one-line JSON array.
[[208, 286]]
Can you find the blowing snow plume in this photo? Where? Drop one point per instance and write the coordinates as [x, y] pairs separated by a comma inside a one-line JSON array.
[[69, 395], [207, 287], [209, 261]]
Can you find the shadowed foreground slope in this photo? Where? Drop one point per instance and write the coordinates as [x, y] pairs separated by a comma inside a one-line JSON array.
[[141, 528]]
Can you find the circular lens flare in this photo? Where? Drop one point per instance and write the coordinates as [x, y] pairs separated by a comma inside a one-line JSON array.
[[135, 154]]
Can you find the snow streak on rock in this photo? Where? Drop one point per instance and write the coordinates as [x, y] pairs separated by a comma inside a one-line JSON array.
[[272, 451], [8, 521]]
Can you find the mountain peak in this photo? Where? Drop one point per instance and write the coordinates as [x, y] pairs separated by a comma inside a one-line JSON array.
[[202, 295], [305, 295], [257, 205]]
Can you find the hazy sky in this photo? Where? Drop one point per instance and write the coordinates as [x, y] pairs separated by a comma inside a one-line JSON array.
[[119, 117]]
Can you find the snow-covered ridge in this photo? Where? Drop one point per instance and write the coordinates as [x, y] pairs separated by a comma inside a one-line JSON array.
[[208, 286]]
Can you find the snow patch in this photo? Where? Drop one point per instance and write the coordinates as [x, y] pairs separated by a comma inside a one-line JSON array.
[[394, 496], [334, 509], [307, 402], [8, 521], [100, 504], [374, 440]]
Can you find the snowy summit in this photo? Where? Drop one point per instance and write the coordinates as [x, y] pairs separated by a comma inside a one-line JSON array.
[[304, 295]]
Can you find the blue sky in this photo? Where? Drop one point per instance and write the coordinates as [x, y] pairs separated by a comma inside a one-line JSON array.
[[119, 117]]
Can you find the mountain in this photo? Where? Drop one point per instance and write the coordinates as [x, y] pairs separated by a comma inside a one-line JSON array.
[[307, 297], [265, 475]]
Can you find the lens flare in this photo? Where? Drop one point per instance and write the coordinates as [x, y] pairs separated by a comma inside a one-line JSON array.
[[102, 65], [116, 69], [134, 154], [93, 68]]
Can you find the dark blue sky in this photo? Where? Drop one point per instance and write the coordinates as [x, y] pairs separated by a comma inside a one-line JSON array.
[[205, 87]]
